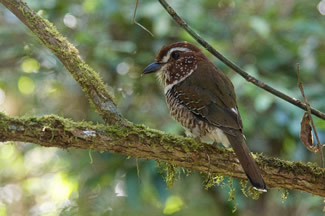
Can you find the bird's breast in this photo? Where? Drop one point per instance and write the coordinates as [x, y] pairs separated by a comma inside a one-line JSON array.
[[194, 126]]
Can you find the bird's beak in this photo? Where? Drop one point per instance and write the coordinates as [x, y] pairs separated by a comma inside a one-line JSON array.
[[153, 67]]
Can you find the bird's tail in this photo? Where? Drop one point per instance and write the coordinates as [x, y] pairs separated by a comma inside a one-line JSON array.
[[247, 161]]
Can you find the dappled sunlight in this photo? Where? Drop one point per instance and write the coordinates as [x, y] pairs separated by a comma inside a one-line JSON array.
[[321, 7], [26, 85], [173, 204], [30, 65]]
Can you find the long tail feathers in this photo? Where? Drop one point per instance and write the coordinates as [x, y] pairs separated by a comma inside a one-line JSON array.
[[247, 161]]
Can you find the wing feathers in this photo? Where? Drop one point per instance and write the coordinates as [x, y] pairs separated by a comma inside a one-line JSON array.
[[210, 95]]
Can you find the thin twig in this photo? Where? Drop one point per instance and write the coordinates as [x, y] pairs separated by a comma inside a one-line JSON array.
[[135, 22], [233, 66], [320, 146], [135, 10], [138, 170]]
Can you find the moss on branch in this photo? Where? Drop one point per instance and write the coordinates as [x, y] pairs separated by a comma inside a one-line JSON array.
[[142, 142]]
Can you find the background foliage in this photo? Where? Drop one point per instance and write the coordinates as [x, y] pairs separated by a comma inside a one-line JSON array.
[[266, 38]]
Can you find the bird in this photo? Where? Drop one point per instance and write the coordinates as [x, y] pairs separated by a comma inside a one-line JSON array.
[[203, 100]]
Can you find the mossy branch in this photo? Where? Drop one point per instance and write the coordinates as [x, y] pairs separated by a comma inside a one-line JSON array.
[[141, 142], [87, 78]]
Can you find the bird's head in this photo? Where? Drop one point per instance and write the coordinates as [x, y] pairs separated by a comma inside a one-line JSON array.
[[175, 62]]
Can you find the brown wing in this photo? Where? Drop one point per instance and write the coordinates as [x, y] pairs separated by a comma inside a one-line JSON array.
[[210, 95]]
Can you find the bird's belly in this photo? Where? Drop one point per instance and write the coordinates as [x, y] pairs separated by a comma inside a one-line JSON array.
[[195, 127]]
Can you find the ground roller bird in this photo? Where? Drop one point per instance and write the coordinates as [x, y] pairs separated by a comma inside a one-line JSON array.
[[202, 99]]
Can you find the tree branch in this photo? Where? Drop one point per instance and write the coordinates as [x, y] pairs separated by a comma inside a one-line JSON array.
[[87, 78], [141, 142], [233, 66]]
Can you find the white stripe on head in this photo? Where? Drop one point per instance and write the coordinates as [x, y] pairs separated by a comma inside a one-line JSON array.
[[166, 57]]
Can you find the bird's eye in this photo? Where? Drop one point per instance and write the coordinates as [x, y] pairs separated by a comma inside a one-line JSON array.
[[175, 55]]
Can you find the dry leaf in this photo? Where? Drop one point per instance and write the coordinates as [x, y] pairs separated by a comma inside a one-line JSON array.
[[306, 135]]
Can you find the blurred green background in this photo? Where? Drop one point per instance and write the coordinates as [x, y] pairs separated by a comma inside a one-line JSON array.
[[266, 38]]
